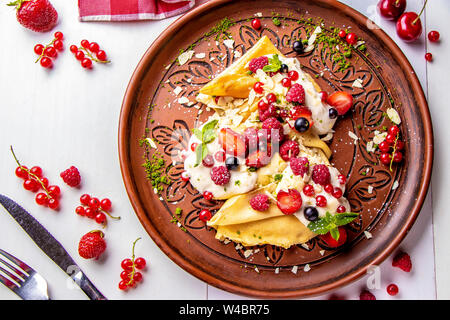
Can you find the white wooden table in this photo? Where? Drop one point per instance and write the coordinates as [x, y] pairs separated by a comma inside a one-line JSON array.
[[69, 116]]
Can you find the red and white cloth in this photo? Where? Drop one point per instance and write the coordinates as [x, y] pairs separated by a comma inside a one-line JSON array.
[[126, 10]]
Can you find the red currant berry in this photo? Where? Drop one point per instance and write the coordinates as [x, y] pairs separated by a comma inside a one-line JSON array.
[[94, 203], [385, 158], [220, 156], [123, 285], [337, 193], [208, 161], [271, 98], [205, 215], [323, 96], [137, 277], [428, 57], [433, 36], [45, 182], [262, 105], [140, 263], [384, 146], [101, 55], [194, 146], [38, 49], [392, 289], [398, 157], [342, 179], [50, 52], [390, 138], [41, 199], [53, 203], [88, 212], [73, 48], [341, 209], [207, 195], [86, 63], [54, 191], [342, 33], [106, 204], [58, 45], [256, 24], [394, 130], [100, 218], [258, 87], [30, 185], [351, 38], [37, 171], [127, 264], [308, 190], [125, 275], [79, 55], [94, 47], [21, 172], [328, 188], [321, 201], [84, 199], [84, 43], [185, 176], [293, 75], [400, 145], [46, 62], [80, 211], [286, 82], [59, 35]]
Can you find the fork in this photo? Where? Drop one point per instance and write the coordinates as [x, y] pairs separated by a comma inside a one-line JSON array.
[[27, 283]]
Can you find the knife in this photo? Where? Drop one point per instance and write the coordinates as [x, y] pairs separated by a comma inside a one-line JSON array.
[[51, 247]]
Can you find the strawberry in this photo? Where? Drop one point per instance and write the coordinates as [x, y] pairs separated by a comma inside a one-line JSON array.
[[289, 202], [37, 15], [341, 101], [258, 159], [300, 112], [92, 245], [232, 142], [333, 243]]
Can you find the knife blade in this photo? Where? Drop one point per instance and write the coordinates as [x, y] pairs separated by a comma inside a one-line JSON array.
[[51, 247]]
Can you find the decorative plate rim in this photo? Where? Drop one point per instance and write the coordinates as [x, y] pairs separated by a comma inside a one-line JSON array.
[[123, 144]]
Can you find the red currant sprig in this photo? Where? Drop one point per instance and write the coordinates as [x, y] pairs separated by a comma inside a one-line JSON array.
[[90, 49], [34, 181], [130, 276], [391, 147], [50, 51], [93, 208]]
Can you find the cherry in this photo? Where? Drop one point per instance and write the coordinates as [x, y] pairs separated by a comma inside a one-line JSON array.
[[256, 24], [46, 62], [38, 49], [409, 26], [333, 243], [205, 215], [392, 289], [351, 38], [391, 9], [140, 263], [433, 36], [428, 57]]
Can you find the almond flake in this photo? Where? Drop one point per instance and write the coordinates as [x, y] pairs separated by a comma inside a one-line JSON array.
[[395, 185], [370, 189], [183, 100], [151, 143], [322, 252], [393, 115], [185, 56], [306, 268], [358, 83], [200, 55], [229, 43], [177, 90], [368, 234], [294, 269], [277, 270], [353, 136]]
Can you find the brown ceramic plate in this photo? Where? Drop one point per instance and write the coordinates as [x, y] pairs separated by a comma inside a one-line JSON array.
[[151, 110]]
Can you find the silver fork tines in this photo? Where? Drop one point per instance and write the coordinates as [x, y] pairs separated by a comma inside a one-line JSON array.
[[21, 278]]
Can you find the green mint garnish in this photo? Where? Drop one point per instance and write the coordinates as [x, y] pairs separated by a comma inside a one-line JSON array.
[[206, 135], [274, 64], [330, 223], [278, 177]]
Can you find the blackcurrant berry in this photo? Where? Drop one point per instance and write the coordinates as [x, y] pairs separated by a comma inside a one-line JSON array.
[[332, 113], [301, 124], [231, 163], [311, 213], [284, 68], [297, 46]]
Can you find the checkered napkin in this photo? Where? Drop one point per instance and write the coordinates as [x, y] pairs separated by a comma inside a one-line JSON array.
[[126, 10]]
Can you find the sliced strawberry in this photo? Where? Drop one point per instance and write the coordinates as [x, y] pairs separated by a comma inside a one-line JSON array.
[[258, 159], [331, 242], [232, 142], [300, 112], [341, 101], [289, 202]]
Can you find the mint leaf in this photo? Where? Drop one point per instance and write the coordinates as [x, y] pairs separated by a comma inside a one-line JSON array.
[[335, 233], [330, 223], [344, 218], [208, 131], [274, 64], [198, 133], [200, 152]]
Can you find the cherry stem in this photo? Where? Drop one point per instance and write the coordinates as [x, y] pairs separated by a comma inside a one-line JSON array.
[[421, 11], [92, 57], [31, 174], [43, 50], [133, 271]]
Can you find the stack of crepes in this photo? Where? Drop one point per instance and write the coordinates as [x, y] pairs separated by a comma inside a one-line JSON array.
[[236, 220]]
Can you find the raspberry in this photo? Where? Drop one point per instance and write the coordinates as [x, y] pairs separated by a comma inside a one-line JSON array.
[[366, 295], [321, 174], [274, 129], [260, 202], [71, 176], [403, 261], [269, 112], [258, 63], [296, 94], [92, 245], [220, 175], [299, 166], [289, 149]]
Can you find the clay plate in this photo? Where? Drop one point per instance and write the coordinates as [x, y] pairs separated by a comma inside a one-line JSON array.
[[152, 110]]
